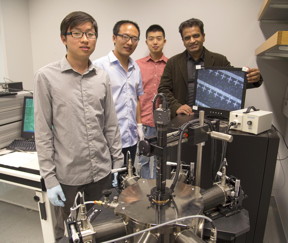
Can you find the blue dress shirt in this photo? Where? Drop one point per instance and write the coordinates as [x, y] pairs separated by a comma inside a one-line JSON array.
[[126, 87]]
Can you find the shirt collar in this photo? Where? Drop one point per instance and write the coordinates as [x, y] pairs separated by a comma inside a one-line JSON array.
[[162, 59], [65, 65], [114, 59], [201, 59]]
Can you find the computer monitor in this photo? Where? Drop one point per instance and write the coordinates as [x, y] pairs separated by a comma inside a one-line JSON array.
[[27, 130], [219, 91]]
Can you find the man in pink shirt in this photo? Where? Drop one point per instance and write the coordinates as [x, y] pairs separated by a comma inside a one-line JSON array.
[[151, 68]]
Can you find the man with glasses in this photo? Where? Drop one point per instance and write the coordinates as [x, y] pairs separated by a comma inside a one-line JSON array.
[[151, 68], [76, 128], [126, 84], [177, 82]]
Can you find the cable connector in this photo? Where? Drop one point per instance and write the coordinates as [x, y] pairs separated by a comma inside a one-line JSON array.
[[234, 124]]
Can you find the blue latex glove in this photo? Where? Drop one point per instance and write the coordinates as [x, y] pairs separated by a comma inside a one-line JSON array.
[[56, 196]]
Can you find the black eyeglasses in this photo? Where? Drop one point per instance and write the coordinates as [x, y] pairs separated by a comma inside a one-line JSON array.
[[126, 38], [79, 34]]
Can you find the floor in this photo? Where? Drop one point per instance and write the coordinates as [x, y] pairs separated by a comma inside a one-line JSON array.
[[20, 224], [274, 231]]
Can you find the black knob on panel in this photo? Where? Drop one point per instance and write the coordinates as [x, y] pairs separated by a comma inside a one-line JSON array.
[[249, 123]]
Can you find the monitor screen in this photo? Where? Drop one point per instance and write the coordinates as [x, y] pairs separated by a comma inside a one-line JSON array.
[[219, 91], [28, 118]]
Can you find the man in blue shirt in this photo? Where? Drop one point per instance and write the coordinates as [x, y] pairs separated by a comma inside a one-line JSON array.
[[126, 84]]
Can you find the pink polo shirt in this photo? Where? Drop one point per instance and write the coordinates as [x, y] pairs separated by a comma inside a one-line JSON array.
[[151, 73]]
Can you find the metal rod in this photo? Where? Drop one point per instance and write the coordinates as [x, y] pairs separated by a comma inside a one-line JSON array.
[[161, 160], [199, 152]]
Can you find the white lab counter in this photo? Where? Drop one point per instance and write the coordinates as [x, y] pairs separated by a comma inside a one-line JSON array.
[[21, 170]]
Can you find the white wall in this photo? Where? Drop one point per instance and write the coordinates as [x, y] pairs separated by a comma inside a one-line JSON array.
[[16, 31], [226, 30], [33, 40], [2, 48]]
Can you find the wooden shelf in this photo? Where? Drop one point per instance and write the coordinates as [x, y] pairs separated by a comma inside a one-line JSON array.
[[274, 10], [276, 45]]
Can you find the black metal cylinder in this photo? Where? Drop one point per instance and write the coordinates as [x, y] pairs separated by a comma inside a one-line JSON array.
[[110, 230], [161, 161], [213, 197]]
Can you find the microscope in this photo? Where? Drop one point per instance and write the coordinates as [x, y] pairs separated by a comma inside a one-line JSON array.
[[171, 208]]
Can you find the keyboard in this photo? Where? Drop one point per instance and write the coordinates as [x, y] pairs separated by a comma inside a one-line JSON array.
[[22, 145], [7, 93]]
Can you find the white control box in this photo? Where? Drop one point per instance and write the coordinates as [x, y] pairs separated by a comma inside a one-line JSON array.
[[255, 121]]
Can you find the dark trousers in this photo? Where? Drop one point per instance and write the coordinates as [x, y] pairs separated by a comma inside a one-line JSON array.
[[91, 191]]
